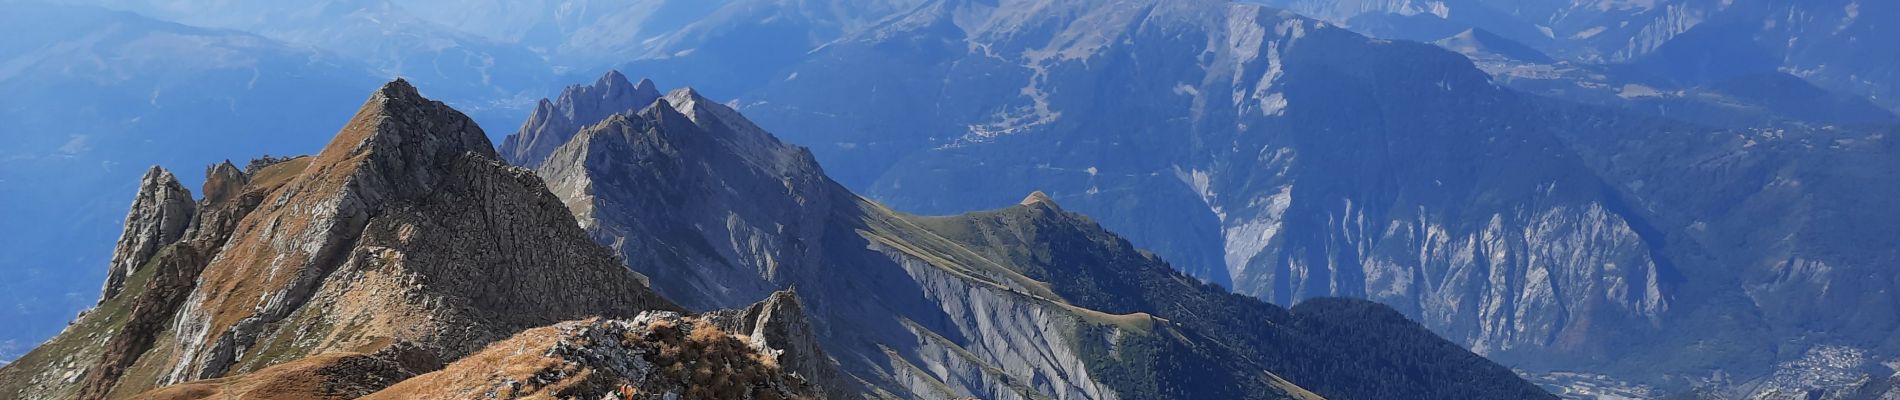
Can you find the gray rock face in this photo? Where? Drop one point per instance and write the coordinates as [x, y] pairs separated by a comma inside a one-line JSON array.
[[696, 198], [553, 123], [160, 214]]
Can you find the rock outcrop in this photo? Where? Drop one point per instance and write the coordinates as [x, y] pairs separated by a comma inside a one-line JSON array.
[[779, 327], [656, 355], [160, 214]]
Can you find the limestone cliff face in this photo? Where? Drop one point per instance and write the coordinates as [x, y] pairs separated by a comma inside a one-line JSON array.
[[160, 214]]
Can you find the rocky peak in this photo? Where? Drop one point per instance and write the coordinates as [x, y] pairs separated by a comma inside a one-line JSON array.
[[692, 161], [401, 142], [608, 95], [1039, 198], [744, 138], [645, 85], [408, 187], [703, 110], [160, 215], [554, 122], [223, 181]]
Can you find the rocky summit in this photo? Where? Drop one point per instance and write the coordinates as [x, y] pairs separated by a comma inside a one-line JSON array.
[[402, 247], [159, 216]]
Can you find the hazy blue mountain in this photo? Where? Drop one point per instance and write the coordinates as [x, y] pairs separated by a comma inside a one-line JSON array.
[[95, 97], [739, 46], [493, 58], [1272, 153], [1840, 45], [1743, 101], [1478, 43], [483, 75], [1289, 158]]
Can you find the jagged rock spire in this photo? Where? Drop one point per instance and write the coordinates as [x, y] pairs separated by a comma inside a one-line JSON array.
[[160, 214], [402, 139], [553, 123], [223, 181]]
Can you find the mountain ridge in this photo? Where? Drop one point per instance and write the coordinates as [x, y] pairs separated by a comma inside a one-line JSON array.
[[846, 251], [356, 251]]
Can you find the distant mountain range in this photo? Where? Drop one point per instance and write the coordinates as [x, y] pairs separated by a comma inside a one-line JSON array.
[[1678, 195], [405, 261], [1289, 158], [1837, 44]]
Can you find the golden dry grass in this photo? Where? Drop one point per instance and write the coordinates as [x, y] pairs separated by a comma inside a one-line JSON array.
[[690, 357], [313, 377]]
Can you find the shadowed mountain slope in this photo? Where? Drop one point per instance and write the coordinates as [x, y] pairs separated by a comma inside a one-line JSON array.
[[1024, 302]]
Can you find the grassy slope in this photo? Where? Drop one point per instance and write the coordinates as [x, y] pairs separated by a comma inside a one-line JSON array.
[[1215, 339], [1129, 349], [55, 366]]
